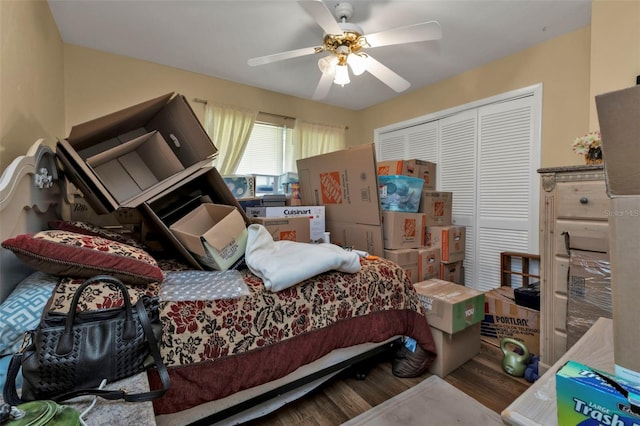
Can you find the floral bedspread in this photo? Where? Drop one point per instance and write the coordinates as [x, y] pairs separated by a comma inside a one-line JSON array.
[[214, 348]]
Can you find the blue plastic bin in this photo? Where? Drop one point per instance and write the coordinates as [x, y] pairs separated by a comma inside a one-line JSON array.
[[400, 193]]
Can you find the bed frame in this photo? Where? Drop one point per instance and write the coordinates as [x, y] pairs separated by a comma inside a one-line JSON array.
[[30, 196], [33, 192]]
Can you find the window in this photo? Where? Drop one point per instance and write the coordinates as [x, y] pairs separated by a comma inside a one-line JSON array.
[[269, 151]]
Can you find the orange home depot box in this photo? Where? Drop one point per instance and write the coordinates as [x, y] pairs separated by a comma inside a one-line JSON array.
[[428, 263], [619, 117], [414, 168], [407, 259], [345, 182], [366, 238], [503, 318], [403, 230], [437, 206], [452, 272], [450, 240], [286, 228]]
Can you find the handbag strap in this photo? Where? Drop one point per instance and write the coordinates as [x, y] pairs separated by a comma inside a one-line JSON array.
[[10, 394]]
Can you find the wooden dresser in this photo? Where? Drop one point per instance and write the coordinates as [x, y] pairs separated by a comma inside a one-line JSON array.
[[574, 202]]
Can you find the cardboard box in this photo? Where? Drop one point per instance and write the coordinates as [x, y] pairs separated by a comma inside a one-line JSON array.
[[316, 215], [618, 114], [407, 259], [428, 263], [450, 307], [216, 234], [414, 168], [177, 128], [241, 186], [367, 238], [453, 272], [450, 239], [454, 349], [345, 182], [160, 212], [503, 318], [589, 292], [437, 206], [589, 396], [403, 230], [286, 228]]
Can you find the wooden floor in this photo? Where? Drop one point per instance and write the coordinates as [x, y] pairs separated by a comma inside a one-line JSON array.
[[346, 396]]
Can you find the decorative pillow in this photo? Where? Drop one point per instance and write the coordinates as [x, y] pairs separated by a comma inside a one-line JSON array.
[[91, 229], [76, 255], [23, 308]]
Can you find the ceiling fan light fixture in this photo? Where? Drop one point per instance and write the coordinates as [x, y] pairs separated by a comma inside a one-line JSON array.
[[357, 62], [327, 64], [342, 75]]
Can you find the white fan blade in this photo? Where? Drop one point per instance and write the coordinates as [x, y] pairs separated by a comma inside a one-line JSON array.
[[262, 60], [324, 85], [410, 34], [387, 76], [323, 16]]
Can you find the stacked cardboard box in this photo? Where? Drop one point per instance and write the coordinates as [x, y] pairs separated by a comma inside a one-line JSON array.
[[315, 214], [345, 182], [155, 157], [618, 114], [440, 248], [454, 313], [504, 318]]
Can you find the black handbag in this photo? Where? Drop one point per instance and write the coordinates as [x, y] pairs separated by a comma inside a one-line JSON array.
[[69, 355]]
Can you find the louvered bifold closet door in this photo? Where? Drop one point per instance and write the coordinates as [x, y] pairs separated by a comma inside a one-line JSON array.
[[457, 174], [391, 145], [505, 215], [422, 143]]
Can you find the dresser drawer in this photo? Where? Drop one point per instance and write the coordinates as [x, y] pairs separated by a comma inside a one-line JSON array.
[[583, 235], [582, 200]]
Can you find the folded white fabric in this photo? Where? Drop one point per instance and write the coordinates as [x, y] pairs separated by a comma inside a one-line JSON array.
[[282, 264]]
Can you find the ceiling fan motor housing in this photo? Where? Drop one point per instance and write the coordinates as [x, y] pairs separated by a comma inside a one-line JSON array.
[[343, 11]]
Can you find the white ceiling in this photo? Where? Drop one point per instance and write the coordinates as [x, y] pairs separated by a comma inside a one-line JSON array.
[[216, 38]]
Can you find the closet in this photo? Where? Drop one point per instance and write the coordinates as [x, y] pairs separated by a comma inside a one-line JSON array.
[[487, 154]]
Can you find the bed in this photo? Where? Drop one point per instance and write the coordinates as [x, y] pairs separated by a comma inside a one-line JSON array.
[[240, 355]]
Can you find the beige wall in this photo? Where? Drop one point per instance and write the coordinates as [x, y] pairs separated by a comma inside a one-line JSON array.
[[561, 65], [40, 74], [31, 82], [615, 49], [98, 83]]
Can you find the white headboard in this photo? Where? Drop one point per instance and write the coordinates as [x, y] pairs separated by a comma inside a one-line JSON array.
[[30, 194]]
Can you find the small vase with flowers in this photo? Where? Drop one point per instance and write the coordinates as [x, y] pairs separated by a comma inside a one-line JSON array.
[[589, 146]]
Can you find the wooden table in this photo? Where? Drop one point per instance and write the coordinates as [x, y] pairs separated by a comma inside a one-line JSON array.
[[537, 406]]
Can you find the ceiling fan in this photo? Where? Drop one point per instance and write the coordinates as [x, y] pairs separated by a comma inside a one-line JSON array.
[[345, 42]]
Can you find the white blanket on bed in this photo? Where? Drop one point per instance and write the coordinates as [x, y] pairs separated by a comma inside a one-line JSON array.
[[282, 264]]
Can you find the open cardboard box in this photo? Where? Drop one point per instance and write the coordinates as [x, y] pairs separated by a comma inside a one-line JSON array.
[[166, 123], [215, 234], [203, 186], [619, 117]]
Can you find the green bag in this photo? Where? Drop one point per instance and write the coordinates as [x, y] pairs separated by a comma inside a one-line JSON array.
[[43, 413]]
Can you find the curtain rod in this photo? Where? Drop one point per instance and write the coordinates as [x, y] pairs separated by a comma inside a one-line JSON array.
[[286, 117]]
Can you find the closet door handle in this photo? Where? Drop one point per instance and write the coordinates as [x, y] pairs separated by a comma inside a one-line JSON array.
[[584, 200]]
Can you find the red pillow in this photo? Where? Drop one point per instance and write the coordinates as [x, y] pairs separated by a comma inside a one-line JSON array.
[[76, 255], [91, 229]]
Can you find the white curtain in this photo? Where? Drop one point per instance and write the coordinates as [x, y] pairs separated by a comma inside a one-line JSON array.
[[315, 139], [229, 127]]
